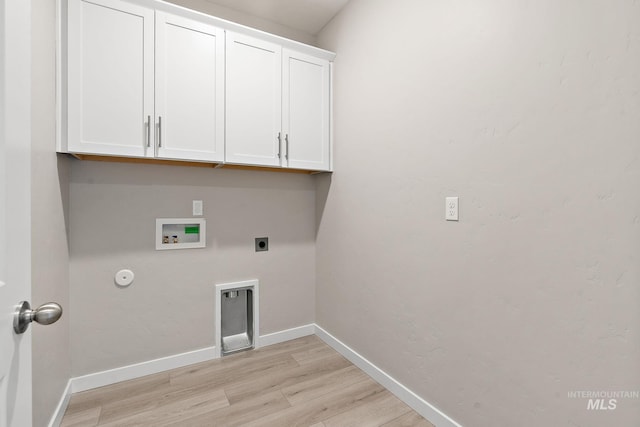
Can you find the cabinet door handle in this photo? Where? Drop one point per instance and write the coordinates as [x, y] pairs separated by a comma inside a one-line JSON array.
[[286, 143], [159, 131], [279, 144], [148, 131]]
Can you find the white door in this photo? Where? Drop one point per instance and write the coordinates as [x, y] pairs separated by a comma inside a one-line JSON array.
[[253, 101], [110, 78], [15, 201], [305, 105], [189, 89]]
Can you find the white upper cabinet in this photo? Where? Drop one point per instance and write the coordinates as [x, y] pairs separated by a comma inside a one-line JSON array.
[[120, 105], [189, 91], [148, 79], [306, 111], [254, 101], [277, 106], [110, 77]]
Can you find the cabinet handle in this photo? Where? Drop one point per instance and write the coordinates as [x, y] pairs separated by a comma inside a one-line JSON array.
[[148, 131], [279, 143], [159, 131], [286, 143]]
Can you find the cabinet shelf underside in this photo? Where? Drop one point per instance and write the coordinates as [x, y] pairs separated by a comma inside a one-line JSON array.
[[190, 164]]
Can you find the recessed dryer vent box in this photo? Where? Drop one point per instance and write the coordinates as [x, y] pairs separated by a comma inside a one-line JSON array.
[[180, 233]]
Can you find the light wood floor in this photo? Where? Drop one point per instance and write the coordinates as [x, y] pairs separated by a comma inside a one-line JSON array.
[[302, 382]]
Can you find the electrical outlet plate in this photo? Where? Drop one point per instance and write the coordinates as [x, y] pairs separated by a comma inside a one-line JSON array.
[[451, 209], [262, 244]]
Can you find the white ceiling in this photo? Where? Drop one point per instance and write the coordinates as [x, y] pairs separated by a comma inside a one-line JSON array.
[[309, 16]]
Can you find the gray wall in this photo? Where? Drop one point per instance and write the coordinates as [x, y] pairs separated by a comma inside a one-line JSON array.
[[49, 197], [110, 212], [169, 309], [530, 113]]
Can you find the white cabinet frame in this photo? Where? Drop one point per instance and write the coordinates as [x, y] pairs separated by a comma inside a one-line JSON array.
[[189, 89], [97, 121]]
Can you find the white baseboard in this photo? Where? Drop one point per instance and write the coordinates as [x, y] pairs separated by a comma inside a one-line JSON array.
[[112, 376], [124, 373], [56, 419], [100, 379], [421, 406], [286, 335]]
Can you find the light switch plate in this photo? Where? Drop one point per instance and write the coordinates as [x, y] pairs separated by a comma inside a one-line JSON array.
[[197, 207], [451, 212]]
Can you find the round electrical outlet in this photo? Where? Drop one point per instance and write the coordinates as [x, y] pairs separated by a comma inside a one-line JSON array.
[[124, 278]]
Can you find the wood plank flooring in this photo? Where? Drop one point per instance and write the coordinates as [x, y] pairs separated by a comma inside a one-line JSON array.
[[302, 382]]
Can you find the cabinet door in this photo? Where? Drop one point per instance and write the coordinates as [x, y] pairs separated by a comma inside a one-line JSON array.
[[306, 112], [253, 101], [110, 77], [189, 89]]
